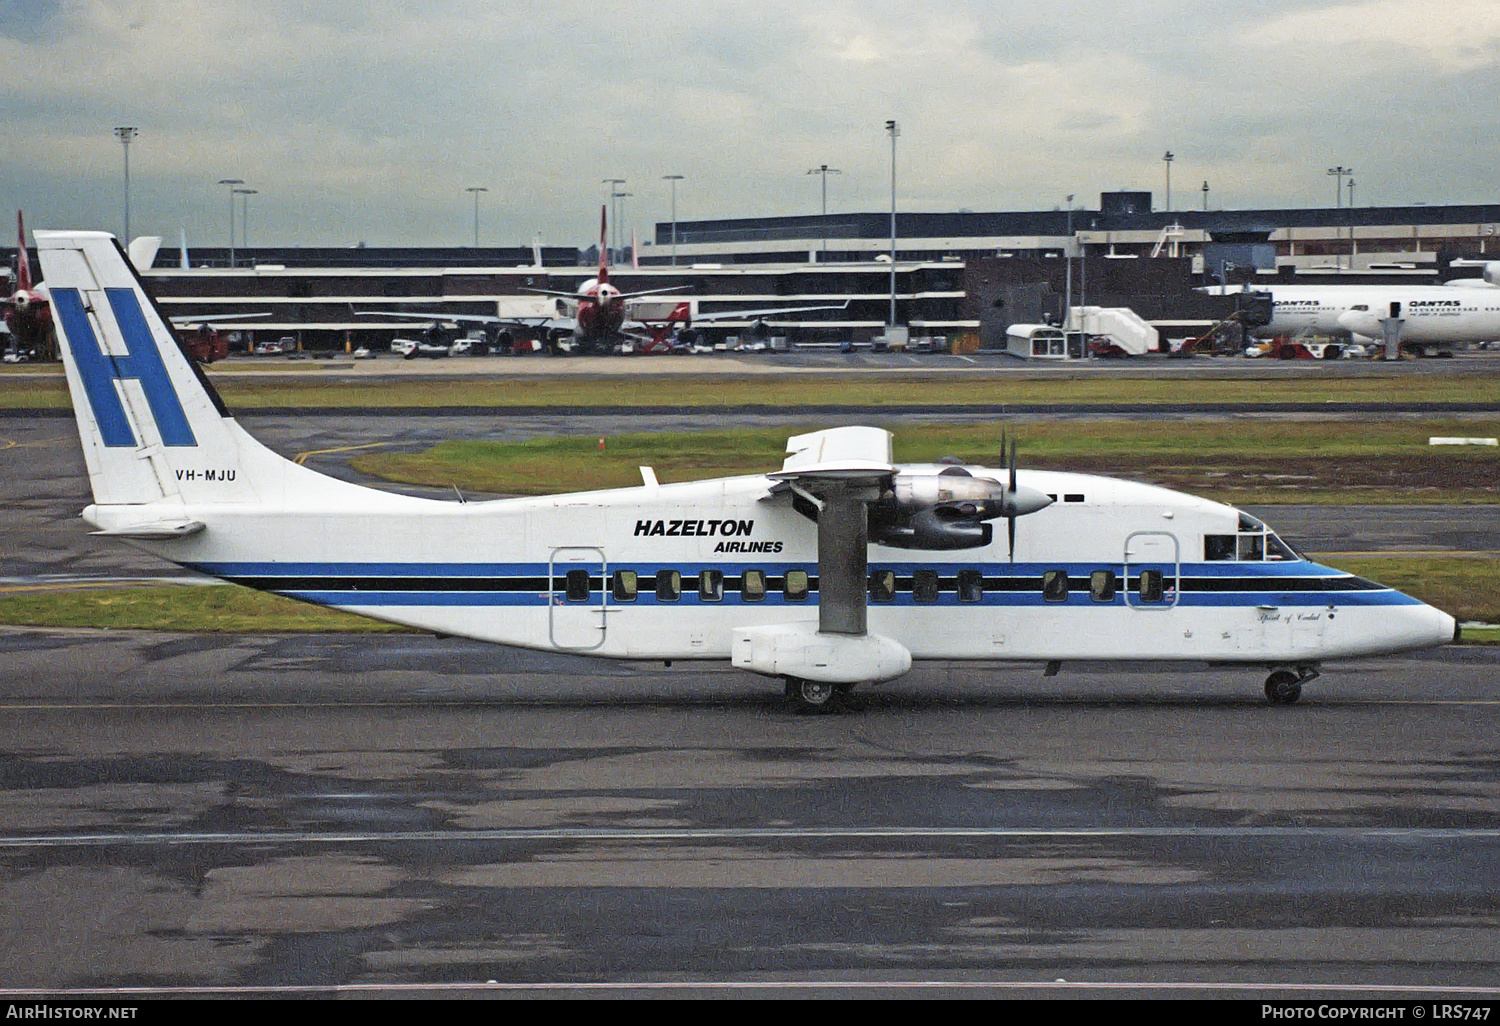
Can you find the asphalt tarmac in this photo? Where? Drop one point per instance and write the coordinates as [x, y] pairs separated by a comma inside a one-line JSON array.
[[405, 815]]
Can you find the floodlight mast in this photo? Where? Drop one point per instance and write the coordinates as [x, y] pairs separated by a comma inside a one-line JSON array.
[[895, 130], [231, 182], [125, 134]]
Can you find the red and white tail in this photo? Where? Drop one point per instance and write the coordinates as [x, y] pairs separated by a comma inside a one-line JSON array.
[[23, 265], [603, 246]]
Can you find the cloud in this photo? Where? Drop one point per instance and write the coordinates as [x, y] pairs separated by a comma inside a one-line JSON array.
[[368, 121]]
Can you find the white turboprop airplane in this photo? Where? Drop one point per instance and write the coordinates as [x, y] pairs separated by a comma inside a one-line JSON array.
[[840, 568]]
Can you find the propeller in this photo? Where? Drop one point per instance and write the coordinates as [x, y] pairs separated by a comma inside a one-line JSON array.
[[1018, 501], [1010, 524]]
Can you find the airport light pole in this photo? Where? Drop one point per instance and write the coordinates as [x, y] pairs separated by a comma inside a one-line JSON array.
[[1338, 190], [231, 182], [895, 130], [1167, 159], [614, 186], [674, 179], [1351, 221], [476, 190], [620, 219], [1205, 194], [245, 214], [1068, 287], [1338, 174], [125, 133], [824, 171]]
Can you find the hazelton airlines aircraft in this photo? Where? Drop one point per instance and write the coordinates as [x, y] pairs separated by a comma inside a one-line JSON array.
[[841, 568]]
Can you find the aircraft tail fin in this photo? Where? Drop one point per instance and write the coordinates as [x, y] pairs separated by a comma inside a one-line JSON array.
[[155, 433], [23, 263], [603, 247]]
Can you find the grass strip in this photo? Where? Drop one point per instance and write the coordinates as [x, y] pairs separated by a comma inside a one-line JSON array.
[[1257, 461], [211, 608], [245, 392]]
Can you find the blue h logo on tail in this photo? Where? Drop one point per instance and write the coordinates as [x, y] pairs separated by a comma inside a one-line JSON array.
[[100, 371]]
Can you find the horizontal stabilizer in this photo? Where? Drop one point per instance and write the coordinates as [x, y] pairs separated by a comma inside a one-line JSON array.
[[160, 530]]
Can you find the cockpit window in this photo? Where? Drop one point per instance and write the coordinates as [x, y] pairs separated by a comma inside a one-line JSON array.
[[1252, 548], [1218, 547], [1278, 549], [1254, 542]]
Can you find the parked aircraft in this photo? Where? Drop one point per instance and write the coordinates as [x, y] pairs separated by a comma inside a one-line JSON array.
[[1433, 318], [840, 568], [27, 310]]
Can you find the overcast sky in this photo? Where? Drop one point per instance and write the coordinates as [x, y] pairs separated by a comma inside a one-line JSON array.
[[367, 121]]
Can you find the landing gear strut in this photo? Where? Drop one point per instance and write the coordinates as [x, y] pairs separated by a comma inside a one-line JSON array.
[[1284, 685], [815, 696]]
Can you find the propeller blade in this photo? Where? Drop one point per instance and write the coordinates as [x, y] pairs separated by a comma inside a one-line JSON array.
[[1011, 531]]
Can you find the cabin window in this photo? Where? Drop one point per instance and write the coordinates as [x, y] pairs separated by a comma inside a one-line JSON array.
[[577, 585], [1218, 547], [924, 586], [668, 586], [711, 585], [970, 585], [1055, 585], [882, 585], [623, 585], [1073, 497], [1151, 586], [753, 586], [794, 588], [1102, 585]]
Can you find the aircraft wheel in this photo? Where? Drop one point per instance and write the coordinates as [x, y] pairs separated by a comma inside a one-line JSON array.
[[813, 696], [1283, 687]]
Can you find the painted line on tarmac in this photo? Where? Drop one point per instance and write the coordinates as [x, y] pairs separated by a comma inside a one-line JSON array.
[[689, 834]]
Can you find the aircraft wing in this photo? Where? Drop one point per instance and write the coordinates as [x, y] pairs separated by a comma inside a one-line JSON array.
[[840, 471], [186, 321], [759, 314], [838, 454], [457, 318]]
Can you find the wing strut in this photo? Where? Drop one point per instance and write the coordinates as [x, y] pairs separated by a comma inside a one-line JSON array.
[[843, 557]]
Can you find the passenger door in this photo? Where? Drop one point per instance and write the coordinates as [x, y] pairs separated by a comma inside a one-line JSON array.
[[1153, 570], [578, 603]]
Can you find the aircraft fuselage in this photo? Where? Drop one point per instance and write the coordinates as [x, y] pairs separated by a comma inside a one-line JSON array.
[[1429, 313]]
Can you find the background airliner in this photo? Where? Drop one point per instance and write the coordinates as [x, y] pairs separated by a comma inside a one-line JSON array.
[[28, 313], [1434, 317]]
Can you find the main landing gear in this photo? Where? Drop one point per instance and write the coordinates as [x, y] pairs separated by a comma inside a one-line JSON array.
[[816, 696], [1284, 685]]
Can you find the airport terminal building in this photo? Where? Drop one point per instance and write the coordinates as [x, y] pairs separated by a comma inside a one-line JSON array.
[[959, 278]]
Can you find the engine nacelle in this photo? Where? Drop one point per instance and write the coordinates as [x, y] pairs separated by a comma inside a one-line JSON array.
[[930, 529], [946, 509]]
